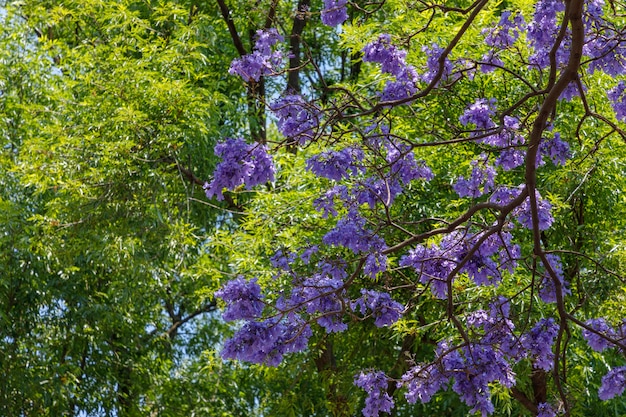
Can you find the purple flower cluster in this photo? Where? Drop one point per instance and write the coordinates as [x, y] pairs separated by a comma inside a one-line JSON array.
[[603, 43], [266, 341], [596, 341], [262, 61], [383, 308], [326, 203], [336, 165], [510, 158], [381, 51], [509, 139], [479, 114], [320, 294], [282, 259], [608, 53], [471, 368], [297, 119], [434, 66], [335, 12], [351, 233], [374, 190], [435, 264], [545, 410], [618, 100], [506, 32], [547, 292], [488, 358], [479, 183], [542, 33], [613, 383], [504, 195], [490, 62], [422, 382], [403, 165], [538, 343], [377, 401], [383, 187], [497, 328], [497, 252], [393, 61], [243, 299], [556, 149], [242, 164]]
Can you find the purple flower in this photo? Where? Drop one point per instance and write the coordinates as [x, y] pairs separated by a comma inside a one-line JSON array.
[[524, 215], [504, 195], [542, 33], [262, 61], [383, 308], [381, 51], [433, 65], [603, 44], [618, 100], [326, 203], [490, 62], [497, 328], [373, 190], [307, 253], [377, 401], [351, 233], [282, 259], [375, 263], [545, 410], [505, 33], [335, 12], [538, 343], [393, 61], [336, 165], [482, 268], [398, 90], [595, 341], [242, 164], [433, 265], [265, 39], [556, 149], [571, 91], [266, 342], [403, 164], [297, 119], [243, 299], [479, 114], [613, 383], [422, 382], [547, 292], [479, 183], [510, 158], [320, 295]]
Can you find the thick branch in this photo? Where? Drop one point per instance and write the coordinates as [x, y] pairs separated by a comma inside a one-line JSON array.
[[524, 400], [573, 14], [231, 27], [299, 22]]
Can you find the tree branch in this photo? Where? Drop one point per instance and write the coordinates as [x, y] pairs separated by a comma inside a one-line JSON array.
[[231, 28]]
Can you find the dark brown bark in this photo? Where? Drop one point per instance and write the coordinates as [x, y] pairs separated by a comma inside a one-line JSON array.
[[295, 39]]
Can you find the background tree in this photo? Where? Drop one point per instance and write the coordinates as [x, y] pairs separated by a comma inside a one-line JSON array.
[[110, 111]]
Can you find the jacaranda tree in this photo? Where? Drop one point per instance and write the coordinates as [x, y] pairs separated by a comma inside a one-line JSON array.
[[443, 195]]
